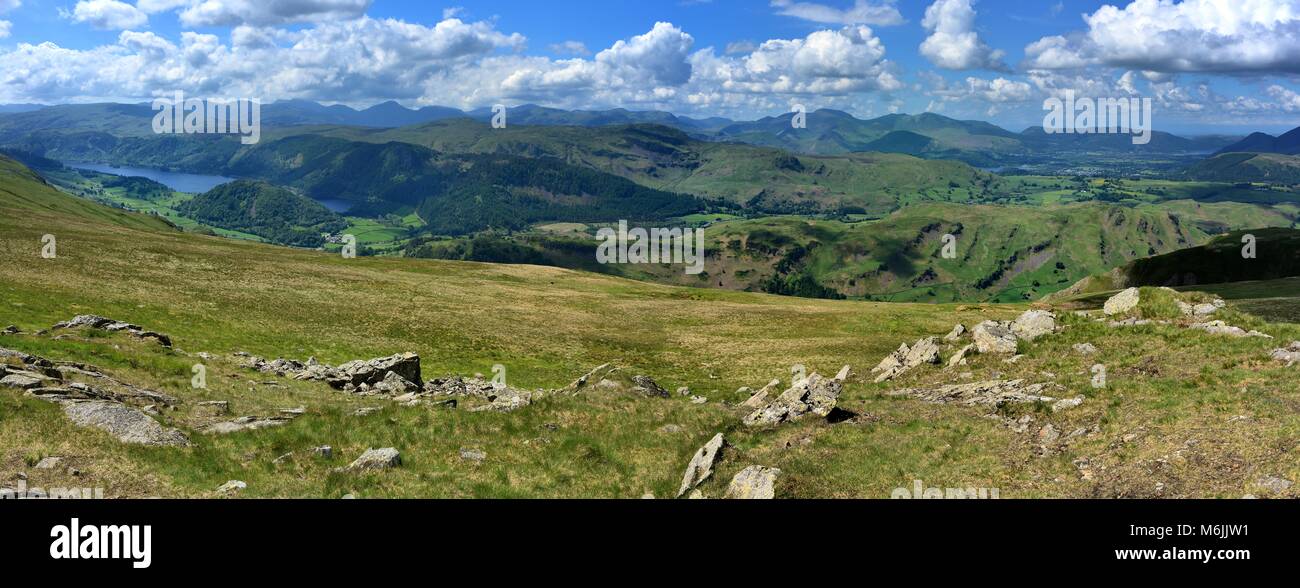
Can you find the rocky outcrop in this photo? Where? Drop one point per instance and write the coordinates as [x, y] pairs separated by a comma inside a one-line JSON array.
[[753, 483], [906, 358], [760, 398], [994, 337], [375, 459], [955, 334], [91, 321], [1222, 328], [701, 466], [811, 395], [1289, 354], [499, 397], [247, 423], [1123, 302], [1034, 324], [125, 423], [991, 393], [960, 358], [609, 378], [357, 376]]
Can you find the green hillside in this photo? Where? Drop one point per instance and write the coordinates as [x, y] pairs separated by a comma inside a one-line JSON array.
[[1003, 253], [1248, 167], [276, 214]]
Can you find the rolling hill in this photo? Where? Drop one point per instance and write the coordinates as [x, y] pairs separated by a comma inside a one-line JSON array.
[[1003, 253], [1286, 144], [1270, 168], [276, 214]]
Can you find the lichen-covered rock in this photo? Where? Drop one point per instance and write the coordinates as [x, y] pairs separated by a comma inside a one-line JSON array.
[[1222, 328], [955, 333], [994, 337], [127, 424], [753, 483], [1034, 324], [992, 393], [760, 398], [1122, 302], [960, 358], [375, 459], [814, 394], [701, 466], [922, 352], [1290, 354]]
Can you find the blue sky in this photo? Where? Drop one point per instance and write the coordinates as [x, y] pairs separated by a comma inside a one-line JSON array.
[[986, 59]]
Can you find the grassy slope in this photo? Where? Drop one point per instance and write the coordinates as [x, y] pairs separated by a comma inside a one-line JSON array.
[[547, 326]]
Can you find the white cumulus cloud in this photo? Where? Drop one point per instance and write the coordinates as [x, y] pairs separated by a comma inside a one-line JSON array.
[[108, 14], [953, 42], [882, 13], [1238, 36]]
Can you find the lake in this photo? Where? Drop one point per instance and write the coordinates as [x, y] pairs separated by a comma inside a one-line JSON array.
[[181, 182]]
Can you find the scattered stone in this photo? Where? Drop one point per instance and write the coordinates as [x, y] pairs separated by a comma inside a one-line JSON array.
[[475, 455], [960, 358], [10, 330], [212, 408], [697, 495], [91, 321], [1048, 435], [24, 380], [1122, 302], [1275, 484], [760, 398], [1085, 348], [282, 458], [924, 351], [127, 424], [247, 423], [813, 394], [1222, 328], [701, 466], [844, 373], [324, 451], [753, 483], [231, 487], [1290, 354], [48, 463], [994, 337], [647, 387], [698, 400], [375, 459], [955, 334], [1067, 403], [992, 393], [648, 496], [683, 391], [366, 410], [1034, 324], [1013, 359]]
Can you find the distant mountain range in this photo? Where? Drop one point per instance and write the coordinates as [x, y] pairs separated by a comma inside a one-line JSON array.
[[826, 132], [1286, 144]]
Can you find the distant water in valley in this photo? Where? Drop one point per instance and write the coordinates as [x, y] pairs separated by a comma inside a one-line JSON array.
[[336, 206], [181, 182]]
